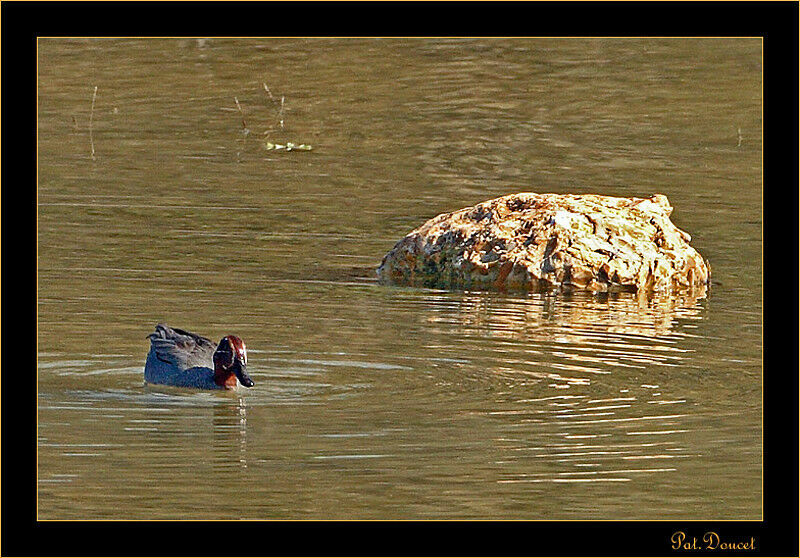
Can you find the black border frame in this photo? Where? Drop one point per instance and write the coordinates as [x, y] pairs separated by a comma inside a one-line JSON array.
[[22, 22]]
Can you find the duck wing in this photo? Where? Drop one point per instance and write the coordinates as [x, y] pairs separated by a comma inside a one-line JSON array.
[[181, 348]]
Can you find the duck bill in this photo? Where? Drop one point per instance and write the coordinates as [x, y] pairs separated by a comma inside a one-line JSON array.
[[240, 369]]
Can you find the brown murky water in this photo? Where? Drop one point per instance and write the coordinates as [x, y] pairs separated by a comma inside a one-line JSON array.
[[375, 402]]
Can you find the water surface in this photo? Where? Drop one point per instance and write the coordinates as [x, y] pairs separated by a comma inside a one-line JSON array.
[[377, 402]]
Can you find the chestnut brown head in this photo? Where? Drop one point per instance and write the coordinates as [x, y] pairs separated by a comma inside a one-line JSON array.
[[230, 363]]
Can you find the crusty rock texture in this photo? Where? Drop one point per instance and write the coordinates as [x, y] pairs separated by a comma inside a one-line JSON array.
[[545, 241]]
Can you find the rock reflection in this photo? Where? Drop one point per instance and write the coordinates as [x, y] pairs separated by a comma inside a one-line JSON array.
[[541, 315], [564, 339], [230, 435], [585, 387]]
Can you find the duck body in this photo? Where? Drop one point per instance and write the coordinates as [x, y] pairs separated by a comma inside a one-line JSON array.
[[184, 359]]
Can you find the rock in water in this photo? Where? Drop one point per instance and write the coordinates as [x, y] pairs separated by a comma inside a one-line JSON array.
[[545, 241]]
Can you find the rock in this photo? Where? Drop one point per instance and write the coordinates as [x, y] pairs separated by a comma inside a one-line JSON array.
[[545, 241]]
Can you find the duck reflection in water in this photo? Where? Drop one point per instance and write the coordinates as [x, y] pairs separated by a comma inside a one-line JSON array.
[[230, 434]]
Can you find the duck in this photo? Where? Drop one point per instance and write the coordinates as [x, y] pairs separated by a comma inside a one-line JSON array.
[[180, 358]]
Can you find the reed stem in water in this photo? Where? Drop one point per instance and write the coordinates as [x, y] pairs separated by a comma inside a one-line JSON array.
[[91, 118], [244, 124]]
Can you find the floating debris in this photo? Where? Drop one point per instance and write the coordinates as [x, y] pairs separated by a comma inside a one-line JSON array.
[[288, 147]]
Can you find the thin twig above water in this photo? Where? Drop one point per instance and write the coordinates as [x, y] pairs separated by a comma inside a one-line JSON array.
[[241, 112], [271, 98], [91, 118]]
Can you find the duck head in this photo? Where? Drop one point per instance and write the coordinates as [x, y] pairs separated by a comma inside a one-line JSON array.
[[230, 363]]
